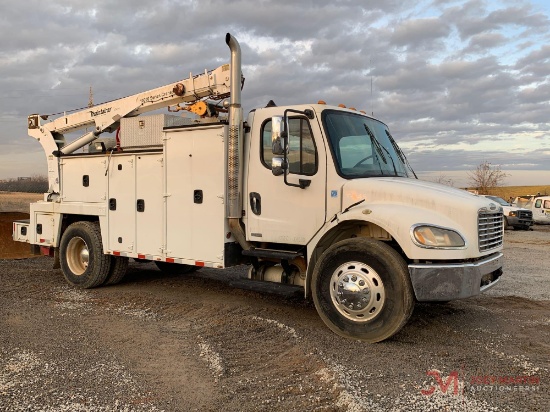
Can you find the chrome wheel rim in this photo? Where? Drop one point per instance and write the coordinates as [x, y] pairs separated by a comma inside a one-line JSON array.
[[78, 255], [357, 291]]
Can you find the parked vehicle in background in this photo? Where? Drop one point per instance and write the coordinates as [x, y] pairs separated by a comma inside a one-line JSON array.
[[538, 204], [516, 217]]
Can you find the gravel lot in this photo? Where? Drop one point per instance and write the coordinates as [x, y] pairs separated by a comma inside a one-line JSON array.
[[202, 342]]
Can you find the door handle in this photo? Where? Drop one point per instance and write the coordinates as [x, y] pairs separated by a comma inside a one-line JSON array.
[[256, 203]]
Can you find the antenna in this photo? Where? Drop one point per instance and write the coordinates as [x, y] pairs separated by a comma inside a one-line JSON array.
[[91, 98], [371, 98]]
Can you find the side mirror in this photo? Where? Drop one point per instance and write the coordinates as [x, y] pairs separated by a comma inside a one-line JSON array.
[[277, 165], [277, 140]]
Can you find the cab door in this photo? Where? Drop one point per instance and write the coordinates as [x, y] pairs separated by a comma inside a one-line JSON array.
[[275, 211], [541, 211]]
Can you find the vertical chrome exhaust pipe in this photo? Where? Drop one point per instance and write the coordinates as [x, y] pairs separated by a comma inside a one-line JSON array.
[[235, 131], [234, 146]]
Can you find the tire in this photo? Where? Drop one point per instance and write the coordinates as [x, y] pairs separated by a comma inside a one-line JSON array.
[[81, 255], [370, 275], [117, 271], [506, 225], [176, 268]]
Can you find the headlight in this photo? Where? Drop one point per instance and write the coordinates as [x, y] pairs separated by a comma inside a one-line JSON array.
[[512, 213], [436, 237]]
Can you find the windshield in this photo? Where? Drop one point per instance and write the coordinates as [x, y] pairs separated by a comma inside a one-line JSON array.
[[523, 201], [499, 200], [363, 147]]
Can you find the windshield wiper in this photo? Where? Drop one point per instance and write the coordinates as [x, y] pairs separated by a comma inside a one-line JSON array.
[[379, 148], [375, 143], [400, 152]]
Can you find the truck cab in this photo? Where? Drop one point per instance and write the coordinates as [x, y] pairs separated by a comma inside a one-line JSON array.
[[347, 178]]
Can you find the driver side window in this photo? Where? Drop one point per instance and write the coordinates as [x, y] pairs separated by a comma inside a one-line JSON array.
[[302, 153]]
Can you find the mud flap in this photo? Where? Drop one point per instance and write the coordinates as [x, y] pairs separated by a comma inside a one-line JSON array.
[[56, 264]]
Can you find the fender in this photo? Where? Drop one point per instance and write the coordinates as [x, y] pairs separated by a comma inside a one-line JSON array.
[[388, 221]]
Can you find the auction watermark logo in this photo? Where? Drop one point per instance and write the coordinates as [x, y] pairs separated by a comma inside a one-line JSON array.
[[453, 385]]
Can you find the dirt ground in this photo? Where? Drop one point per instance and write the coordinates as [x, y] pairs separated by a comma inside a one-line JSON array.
[[17, 202], [204, 342], [14, 206]]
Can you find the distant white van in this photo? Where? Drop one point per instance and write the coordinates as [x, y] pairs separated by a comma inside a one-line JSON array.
[[538, 204]]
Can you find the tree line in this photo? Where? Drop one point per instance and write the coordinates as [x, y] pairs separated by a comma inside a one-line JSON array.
[[34, 184]]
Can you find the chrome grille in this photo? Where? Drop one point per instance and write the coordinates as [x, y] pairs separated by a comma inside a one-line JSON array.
[[525, 214], [490, 230]]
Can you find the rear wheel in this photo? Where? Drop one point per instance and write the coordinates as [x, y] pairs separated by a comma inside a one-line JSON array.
[[117, 271], [361, 289], [81, 255], [175, 268]]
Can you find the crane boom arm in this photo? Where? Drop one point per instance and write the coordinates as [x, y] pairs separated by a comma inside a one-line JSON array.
[[215, 84]]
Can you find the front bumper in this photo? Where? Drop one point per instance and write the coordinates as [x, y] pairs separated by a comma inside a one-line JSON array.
[[516, 221], [442, 282]]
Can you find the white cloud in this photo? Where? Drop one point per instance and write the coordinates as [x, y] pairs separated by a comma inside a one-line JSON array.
[[453, 77]]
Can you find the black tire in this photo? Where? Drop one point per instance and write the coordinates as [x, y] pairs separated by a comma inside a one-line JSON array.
[[506, 224], [81, 255], [117, 271], [370, 275], [176, 268]]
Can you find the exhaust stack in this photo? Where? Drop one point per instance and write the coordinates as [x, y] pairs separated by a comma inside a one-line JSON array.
[[234, 149]]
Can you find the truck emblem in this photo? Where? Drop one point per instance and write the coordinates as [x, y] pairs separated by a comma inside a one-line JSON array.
[[492, 206]]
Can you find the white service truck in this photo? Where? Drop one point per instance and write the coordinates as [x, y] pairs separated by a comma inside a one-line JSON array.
[[316, 196], [538, 204]]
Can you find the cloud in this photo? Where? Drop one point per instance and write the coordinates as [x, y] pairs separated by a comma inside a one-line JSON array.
[[452, 76]]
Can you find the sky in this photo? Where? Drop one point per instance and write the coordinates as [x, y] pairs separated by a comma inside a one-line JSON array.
[[458, 82]]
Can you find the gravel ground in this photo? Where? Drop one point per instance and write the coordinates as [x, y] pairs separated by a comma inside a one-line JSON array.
[[199, 342]]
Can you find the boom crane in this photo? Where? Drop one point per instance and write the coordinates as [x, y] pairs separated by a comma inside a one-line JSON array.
[[214, 84]]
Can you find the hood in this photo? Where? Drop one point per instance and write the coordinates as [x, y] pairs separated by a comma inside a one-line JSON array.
[[418, 193]]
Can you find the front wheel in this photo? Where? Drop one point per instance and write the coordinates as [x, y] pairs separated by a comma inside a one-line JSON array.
[[81, 255], [362, 290]]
